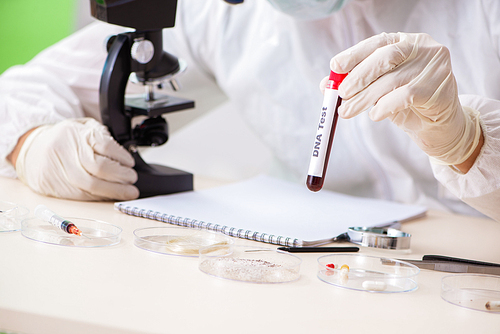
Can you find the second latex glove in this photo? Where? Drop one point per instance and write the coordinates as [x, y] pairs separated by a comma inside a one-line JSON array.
[[408, 78], [77, 159]]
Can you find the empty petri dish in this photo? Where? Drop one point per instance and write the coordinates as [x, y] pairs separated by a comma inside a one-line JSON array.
[[250, 264], [11, 216], [473, 291], [368, 273], [95, 233], [178, 240]]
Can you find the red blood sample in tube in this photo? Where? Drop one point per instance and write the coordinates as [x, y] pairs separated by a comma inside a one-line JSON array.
[[72, 229], [325, 133]]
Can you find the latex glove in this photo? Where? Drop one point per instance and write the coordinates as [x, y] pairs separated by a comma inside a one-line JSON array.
[[77, 159], [408, 78]]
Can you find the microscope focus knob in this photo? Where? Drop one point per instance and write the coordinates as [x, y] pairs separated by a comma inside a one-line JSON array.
[[142, 51]]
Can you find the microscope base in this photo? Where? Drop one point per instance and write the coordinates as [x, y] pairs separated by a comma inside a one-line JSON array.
[[160, 180]]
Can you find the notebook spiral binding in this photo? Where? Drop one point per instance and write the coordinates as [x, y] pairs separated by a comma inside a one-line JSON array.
[[193, 223]]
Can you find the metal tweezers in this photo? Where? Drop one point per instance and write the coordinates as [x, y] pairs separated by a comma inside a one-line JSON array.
[[453, 265]]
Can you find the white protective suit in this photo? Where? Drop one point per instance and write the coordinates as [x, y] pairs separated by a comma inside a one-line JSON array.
[[270, 65]]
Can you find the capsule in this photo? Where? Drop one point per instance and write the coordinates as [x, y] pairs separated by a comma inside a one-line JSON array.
[[344, 270], [374, 285], [493, 305], [344, 274]]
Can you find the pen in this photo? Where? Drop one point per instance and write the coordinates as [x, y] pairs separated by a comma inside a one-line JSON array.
[[319, 249]]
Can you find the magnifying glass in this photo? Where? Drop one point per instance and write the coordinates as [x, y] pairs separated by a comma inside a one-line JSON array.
[[377, 237]]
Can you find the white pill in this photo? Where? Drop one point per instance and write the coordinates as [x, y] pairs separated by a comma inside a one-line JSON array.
[[374, 285]]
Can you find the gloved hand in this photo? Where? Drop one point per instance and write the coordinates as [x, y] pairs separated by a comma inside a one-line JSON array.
[[408, 78], [77, 159]]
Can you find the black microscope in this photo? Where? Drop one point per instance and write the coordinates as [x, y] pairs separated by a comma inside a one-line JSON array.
[[139, 56]]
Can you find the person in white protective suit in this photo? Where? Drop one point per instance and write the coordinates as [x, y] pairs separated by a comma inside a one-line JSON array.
[[421, 102]]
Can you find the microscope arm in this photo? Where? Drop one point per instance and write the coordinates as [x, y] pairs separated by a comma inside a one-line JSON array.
[[112, 89]]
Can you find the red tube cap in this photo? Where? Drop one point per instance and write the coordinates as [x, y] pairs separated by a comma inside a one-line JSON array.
[[337, 79]]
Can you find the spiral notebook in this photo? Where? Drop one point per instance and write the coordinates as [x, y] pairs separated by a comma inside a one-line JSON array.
[[271, 210]]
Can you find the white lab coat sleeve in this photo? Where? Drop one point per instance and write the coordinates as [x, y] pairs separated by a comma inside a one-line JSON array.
[[480, 186], [61, 82]]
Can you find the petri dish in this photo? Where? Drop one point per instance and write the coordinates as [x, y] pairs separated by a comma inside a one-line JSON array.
[[473, 291], [368, 273], [11, 216], [95, 233], [178, 240], [250, 264]]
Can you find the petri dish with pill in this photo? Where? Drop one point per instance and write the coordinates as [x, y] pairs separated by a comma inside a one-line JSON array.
[[94, 233], [11, 216], [368, 273], [250, 264], [473, 291], [179, 240]]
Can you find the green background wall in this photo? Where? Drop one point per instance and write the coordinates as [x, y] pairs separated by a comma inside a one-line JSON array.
[[29, 26]]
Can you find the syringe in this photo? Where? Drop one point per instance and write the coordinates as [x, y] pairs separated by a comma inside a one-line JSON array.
[[44, 213], [324, 136]]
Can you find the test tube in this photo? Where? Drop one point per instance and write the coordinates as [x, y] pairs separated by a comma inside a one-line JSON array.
[[324, 135], [44, 213]]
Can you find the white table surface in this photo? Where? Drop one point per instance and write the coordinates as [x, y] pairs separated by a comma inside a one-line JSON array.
[[123, 289]]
